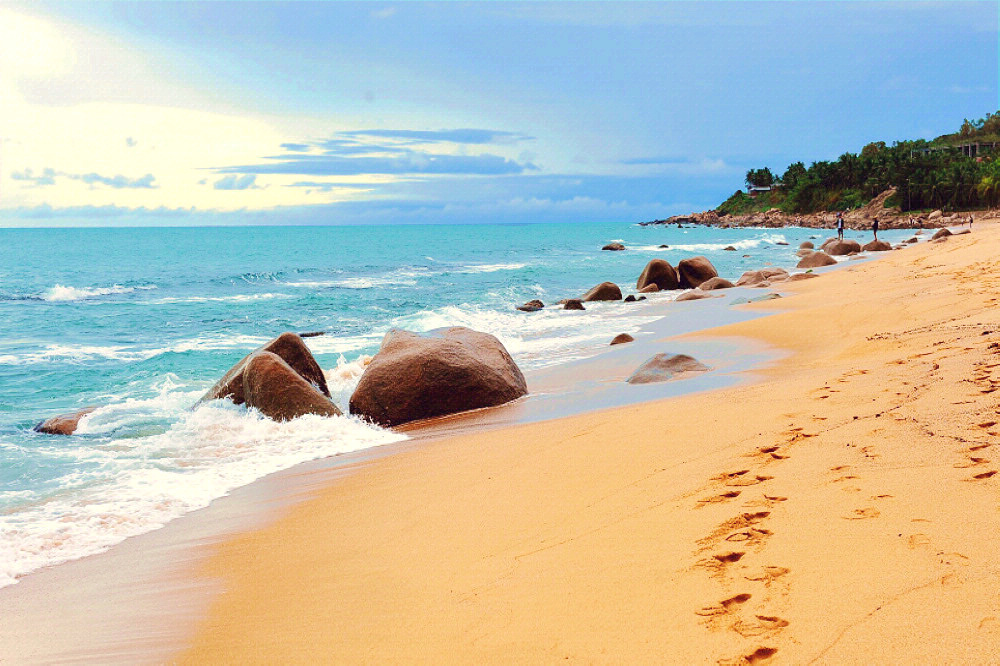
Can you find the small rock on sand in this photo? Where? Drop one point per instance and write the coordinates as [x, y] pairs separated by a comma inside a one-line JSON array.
[[622, 338], [662, 367]]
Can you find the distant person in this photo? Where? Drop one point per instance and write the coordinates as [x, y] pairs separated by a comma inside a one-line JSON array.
[[875, 227], [840, 226], [970, 221]]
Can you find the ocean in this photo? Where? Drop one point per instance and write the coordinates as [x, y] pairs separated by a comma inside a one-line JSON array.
[[141, 322]]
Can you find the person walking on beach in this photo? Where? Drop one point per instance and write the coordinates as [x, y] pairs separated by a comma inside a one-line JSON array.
[[840, 226], [875, 227]]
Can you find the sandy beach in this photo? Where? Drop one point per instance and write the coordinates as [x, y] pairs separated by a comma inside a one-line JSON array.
[[843, 509]]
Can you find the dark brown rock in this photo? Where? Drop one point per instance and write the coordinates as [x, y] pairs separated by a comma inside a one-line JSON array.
[[806, 245], [877, 246], [312, 334], [291, 349], [940, 233], [274, 388], [630, 299], [840, 248], [650, 289], [816, 260], [694, 295], [662, 367], [606, 291], [614, 247], [533, 305], [751, 278], [716, 283], [445, 371], [65, 424], [729, 248], [622, 338], [660, 273], [573, 304], [695, 270]]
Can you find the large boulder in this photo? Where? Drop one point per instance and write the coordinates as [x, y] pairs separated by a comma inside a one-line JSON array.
[[660, 273], [876, 246], [614, 247], [417, 376], [279, 392], [751, 278], [816, 260], [606, 291], [716, 283], [64, 424], [806, 245], [695, 270], [662, 367], [842, 247], [291, 349], [941, 233]]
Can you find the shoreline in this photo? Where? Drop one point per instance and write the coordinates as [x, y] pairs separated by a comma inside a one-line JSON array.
[[848, 480], [261, 507]]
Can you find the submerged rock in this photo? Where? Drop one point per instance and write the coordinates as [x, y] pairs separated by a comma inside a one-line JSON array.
[[533, 305], [662, 367], [573, 304], [65, 424], [417, 376], [614, 247]]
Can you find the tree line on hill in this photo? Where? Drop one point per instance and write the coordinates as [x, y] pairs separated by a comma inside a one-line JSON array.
[[926, 175]]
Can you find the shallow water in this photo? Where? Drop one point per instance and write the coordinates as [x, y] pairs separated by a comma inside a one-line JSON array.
[[140, 322]]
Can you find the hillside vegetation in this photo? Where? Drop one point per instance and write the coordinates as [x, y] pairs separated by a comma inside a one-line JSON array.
[[925, 174]]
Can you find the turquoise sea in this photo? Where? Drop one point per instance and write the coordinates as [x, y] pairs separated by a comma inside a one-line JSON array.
[[140, 322]]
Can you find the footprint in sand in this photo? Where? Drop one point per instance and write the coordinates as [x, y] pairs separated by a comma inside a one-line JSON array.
[[917, 540], [972, 462], [724, 607], [758, 656], [984, 475], [763, 624], [863, 514], [724, 497], [769, 574]]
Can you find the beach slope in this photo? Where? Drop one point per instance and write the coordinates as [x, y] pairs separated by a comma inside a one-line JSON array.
[[843, 509]]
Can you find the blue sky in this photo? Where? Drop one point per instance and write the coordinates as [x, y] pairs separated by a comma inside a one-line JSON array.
[[344, 113]]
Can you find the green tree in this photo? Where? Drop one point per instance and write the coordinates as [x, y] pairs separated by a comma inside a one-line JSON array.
[[759, 177]]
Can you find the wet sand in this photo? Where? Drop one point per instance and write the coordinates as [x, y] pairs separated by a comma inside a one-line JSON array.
[[843, 510]]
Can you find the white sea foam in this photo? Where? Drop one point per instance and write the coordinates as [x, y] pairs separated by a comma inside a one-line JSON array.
[[63, 293], [235, 298], [490, 268], [159, 460], [59, 353], [358, 282], [745, 244], [536, 339]]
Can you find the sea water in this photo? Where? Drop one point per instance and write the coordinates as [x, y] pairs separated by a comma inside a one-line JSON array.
[[141, 322]]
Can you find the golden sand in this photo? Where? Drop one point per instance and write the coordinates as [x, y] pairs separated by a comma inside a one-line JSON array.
[[846, 509]]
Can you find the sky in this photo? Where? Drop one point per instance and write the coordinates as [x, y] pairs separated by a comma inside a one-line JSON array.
[[191, 113]]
